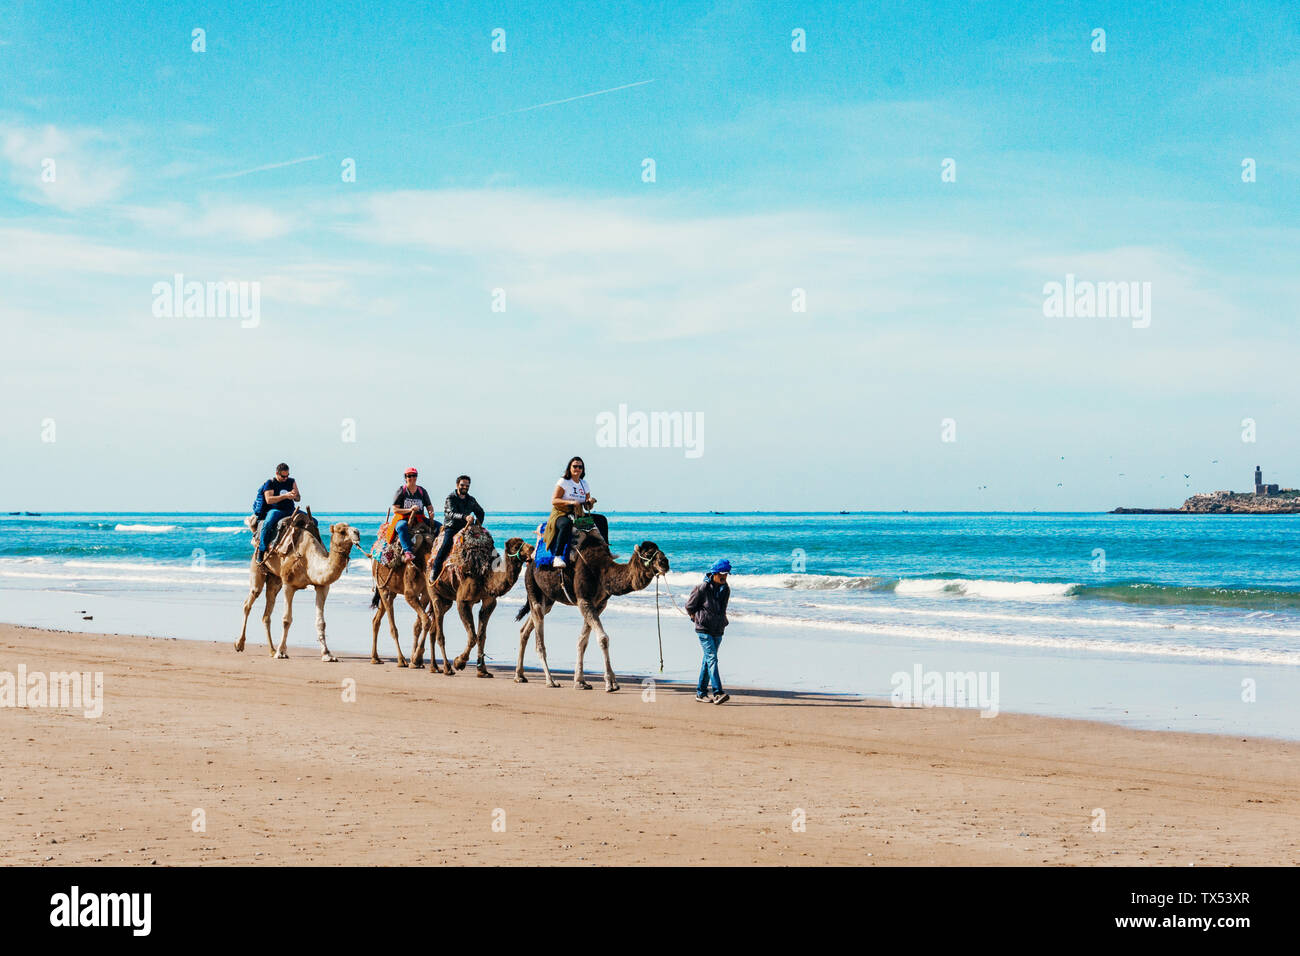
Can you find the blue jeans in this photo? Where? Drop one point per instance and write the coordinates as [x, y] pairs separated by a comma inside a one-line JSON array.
[[709, 667], [404, 534], [272, 518]]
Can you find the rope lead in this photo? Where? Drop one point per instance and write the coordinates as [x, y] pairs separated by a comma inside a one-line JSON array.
[[659, 625]]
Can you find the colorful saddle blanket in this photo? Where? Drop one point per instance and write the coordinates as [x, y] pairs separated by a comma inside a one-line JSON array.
[[385, 552], [543, 557], [387, 548], [473, 552]]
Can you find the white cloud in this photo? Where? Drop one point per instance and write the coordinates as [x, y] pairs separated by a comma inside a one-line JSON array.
[[317, 291], [641, 272], [85, 170], [213, 217]]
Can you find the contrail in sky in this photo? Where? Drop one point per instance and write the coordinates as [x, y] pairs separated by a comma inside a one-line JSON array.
[[525, 109], [258, 169]]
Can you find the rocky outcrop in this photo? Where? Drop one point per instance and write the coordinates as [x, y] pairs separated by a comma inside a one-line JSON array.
[[1284, 501]]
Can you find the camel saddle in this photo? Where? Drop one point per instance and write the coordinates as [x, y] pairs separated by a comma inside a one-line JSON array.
[[286, 532], [473, 552], [385, 552], [422, 532]]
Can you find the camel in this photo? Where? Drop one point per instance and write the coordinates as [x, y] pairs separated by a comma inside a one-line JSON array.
[[592, 578], [307, 565], [407, 580], [465, 591]]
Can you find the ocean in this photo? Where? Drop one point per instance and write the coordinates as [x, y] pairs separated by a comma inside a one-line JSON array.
[[1163, 621]]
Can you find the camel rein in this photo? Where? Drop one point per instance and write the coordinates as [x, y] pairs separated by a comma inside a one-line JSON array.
[[658, 621]]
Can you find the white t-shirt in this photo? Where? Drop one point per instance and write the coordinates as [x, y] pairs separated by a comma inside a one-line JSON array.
[[574, 490]]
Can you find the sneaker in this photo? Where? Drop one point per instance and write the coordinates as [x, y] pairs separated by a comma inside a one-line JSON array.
[[259, 556], [704, 698], [558, 563], [722, 698], [408, 556]]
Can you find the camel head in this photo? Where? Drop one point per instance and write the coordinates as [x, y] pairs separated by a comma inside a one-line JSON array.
[[647, 555], [516, 547], [344, 536]]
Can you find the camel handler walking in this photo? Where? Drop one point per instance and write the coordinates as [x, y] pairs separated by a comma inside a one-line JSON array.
[[707, 607]]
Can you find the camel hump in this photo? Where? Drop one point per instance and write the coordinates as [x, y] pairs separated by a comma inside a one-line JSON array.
[[591, 543]]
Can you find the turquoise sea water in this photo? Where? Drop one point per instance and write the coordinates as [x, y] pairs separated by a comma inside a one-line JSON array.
[[1108, 593]]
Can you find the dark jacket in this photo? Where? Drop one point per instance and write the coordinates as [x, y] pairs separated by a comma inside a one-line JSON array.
[[707, 606], [456, 511], [276, 487]]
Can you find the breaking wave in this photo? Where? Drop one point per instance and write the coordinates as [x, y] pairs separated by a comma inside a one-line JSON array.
[[1126, 592]]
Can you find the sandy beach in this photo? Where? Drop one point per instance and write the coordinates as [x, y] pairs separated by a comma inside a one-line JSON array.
[[419, 767]]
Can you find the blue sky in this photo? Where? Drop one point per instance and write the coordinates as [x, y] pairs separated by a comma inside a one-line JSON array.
[[775, 170]]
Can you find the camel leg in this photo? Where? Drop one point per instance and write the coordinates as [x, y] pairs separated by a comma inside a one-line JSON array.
[[541, 647], [273, 586], [442, 606], [388, 599], [417, 632], [484, 612], [436, 610], [322, 592], [466, 611], [283, 652], [419, 625], [534, 624], [592, 619], [417, 655], [374, 627], [579, 681], [254, 591], [417, 645], [523, 643]]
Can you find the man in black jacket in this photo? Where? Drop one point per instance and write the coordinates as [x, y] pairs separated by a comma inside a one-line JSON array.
[[458, 510], [707, 607]]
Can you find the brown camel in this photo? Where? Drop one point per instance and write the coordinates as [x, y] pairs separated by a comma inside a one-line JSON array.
[[307, 565], [465, 591], [590, 580], [406, 580]]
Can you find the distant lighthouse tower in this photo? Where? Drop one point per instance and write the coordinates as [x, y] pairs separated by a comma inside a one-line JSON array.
[[1259, 482]]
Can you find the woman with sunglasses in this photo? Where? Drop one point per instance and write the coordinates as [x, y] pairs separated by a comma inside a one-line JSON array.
[[571, 499]]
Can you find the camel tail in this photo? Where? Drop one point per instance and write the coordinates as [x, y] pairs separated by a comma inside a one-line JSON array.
[[374, 598], [523, 612]]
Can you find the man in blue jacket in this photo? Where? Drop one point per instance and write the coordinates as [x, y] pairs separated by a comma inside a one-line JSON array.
[[707, 607]]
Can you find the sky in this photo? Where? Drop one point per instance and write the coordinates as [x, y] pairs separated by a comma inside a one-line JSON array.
[[500, 274]]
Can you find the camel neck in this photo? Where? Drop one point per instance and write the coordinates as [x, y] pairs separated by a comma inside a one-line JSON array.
[[326, 567], [502, 581], [630, 576]]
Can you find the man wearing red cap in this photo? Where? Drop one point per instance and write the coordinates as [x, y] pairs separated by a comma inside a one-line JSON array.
[[412, 505]]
